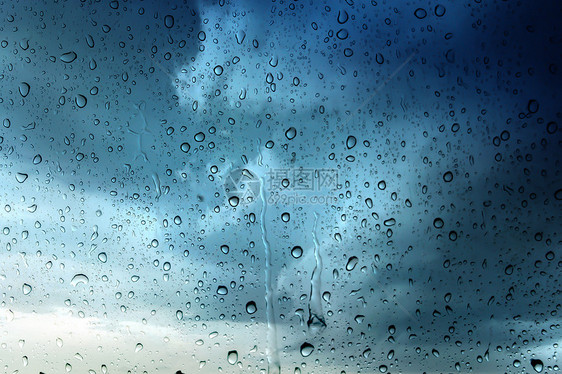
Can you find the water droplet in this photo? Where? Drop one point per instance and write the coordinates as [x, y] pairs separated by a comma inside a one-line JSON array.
[[68, 57], [24, 88], [438, 223], [240, 36], [350, 142], [169, 21], [218, 70], [179, 315], [232, 357], [420, 13], [59, 342], [234, 201], [537, 365], [139, 347], [448, 176], [225, 249], [439, 10], [21, 177], [381, 185], [102, 256], [306, 349], [296, 252], [199, 137], [81, 101], [251, 307], [508, 270], [285, 217], [177, 220], [79, 278], [185, 147], [351, 263], [37, 159], [26, 289], [222, 290], [291, 133]]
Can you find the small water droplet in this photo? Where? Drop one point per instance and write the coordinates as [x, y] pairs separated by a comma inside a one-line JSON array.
[[139, 347]]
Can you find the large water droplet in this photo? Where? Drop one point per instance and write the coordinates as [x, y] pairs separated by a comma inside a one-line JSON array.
[[79, 278], [251, 307], [26, 289], [169, 21], [306, 349], [537, 365], [24, 88], [351, 263], [291, 133], [21, 177], [68, 57], [185, 147], [222, 290], [81, 101], [296, 252], [232, 357]]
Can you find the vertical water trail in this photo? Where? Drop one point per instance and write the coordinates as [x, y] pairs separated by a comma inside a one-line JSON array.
[[274, 364], [316, 320]]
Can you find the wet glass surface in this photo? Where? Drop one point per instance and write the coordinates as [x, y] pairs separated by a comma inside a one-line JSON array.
[[280, 187]]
